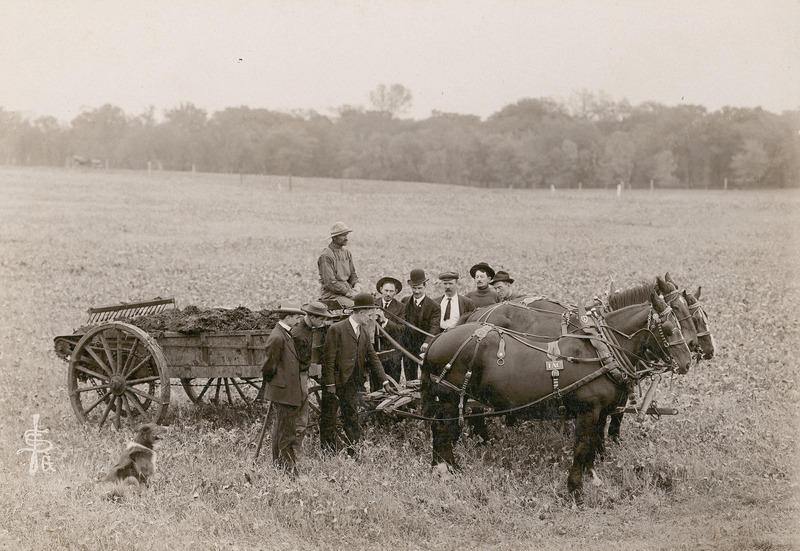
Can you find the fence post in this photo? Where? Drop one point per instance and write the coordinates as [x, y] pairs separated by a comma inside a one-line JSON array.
[[290, 182], [651, 185], [552, 189], [725, 185], [580, 186], [619, 189]]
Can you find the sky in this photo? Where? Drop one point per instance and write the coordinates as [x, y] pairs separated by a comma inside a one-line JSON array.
[[61, 58]]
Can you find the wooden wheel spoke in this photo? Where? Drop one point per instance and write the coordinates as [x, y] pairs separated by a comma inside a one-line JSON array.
[[132, 398], [130, 358], [227, 390], [144, 380], [91, 373], [111, 359], [250, 382], [105, 413], [140, 364], [126, 403], [239, 390], [146, 396], [95, 404], [205, 388], [98, 361], [216, 392], [89, 389], [118, 412]]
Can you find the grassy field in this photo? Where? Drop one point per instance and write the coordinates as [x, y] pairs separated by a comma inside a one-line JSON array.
[[722, 474]]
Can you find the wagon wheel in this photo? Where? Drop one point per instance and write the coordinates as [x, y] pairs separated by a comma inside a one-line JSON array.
[[118, 373], [221, 389]]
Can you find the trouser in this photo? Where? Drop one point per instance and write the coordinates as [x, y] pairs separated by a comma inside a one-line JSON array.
[[302, 419], [346, 400], [410, 367], [284, 436]]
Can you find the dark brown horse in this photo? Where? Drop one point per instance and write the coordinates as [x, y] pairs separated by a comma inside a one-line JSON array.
[[501, 368]]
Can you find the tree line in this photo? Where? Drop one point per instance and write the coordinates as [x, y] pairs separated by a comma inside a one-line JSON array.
[[536, 142]]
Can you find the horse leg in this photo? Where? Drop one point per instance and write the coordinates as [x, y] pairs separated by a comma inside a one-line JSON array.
[[614, 426], [445, 431], [477, 425], [601, 436], [585, 449]]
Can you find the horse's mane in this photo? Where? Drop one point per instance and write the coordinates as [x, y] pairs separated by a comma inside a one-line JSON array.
[[629, 297]]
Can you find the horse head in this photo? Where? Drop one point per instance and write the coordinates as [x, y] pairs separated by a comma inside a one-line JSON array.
[[666, 330], [705, 340], [677, 301]]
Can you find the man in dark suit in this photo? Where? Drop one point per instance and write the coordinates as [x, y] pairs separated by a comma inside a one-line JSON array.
[[389, 316], [285, 388], [346, 351], [452, 304], [423, 313]]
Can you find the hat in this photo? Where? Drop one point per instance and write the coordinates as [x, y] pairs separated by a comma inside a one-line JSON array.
[[316, 308], [387, 279], [501, 276], [339, 228], [446, 276], [288, 308], [483, 266], [417, 277], [363, 300]]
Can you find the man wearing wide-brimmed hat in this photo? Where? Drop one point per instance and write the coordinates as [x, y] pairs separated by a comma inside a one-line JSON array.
[[347, 349], [337, 274], [452, 304], [483, 295], [502, 283], [423, 313], [390, 315], [307, 336], [285, 388]]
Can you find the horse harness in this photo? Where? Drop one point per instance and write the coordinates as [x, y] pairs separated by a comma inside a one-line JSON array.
[[613, 362]]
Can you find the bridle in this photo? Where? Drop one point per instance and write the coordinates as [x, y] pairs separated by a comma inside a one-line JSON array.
[[696, 310]]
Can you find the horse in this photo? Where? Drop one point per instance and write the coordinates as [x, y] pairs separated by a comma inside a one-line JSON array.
[[545, 319], [705, 340], [501, 368]]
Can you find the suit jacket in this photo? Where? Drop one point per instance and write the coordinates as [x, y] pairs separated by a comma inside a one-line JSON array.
[[344, 355], [465, 305], [282, 369], [396, 310], [426, 317]]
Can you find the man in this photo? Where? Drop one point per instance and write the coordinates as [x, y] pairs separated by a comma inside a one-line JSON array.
[[285, 388], [337, 274], [451, 304], [389, 315], [502, 283], [423, 313], [305, 335], [346, 350], [483, 295]]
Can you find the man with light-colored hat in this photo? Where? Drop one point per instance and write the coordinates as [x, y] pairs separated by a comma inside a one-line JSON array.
[[337, 274], [452, 304], [423, 313], [285, 388], [345, 354]]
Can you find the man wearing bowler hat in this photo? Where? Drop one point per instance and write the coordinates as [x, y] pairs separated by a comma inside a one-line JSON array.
[[502, 283], [346, 351], [287, 389], [452, 304], [423, 313], [483, 295], [337, 274], [390, 314]]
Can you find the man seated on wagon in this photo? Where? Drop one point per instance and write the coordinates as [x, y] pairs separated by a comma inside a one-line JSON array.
[[337, 274]]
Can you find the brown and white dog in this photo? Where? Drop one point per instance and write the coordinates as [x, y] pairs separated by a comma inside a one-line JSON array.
[[138, 462]]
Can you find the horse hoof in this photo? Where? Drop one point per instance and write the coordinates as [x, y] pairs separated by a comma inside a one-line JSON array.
[[444, 471], [596, 480]]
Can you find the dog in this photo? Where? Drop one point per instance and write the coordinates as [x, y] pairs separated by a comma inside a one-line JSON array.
[[137, 464]]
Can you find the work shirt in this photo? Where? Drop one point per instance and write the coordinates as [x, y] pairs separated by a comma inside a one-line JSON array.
[[455, 313], [337, 275]]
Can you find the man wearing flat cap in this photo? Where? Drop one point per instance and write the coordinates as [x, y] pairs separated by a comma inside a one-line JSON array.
[[452, 304], [285, 388], [390, 314], [346, 351], [502, 283], [337, 274], [308, 336], [483, 295], [423, 313]]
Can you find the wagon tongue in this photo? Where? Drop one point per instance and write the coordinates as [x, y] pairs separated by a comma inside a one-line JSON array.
[[128, 310]]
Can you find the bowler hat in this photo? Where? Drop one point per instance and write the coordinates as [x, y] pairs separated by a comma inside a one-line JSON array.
[[446, 276], [339, 228], [288, 308], [484, 267], [316, 308], [501, 276], [387, 279], [363, 300], [417, 277]]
